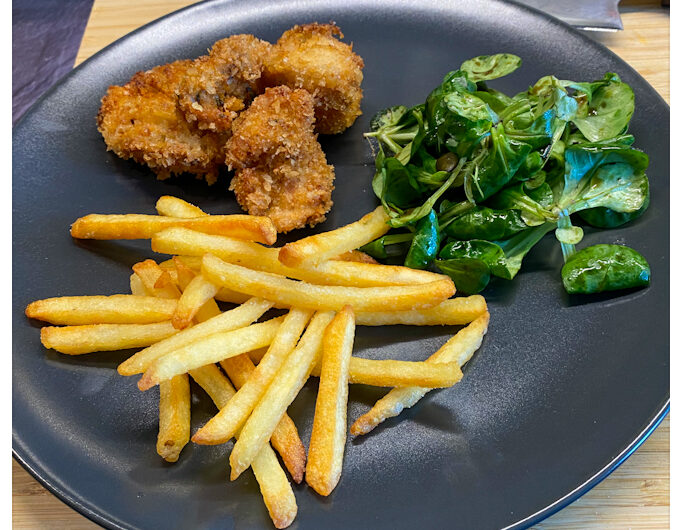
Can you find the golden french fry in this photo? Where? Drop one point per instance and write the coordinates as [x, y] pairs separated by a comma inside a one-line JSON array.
[[239, 317], [275, 488], [258, 257], [285, 439], [174, 207], [194, 263], [453, 312], [209, 349], [214, 383], [233, 297], [283, 291], [225, 424], [174, 417], [140, 226], [189, 266], [357, 256], [280, 394], [403, 373], [196, 294], [136, 286], [204, 311], [209, 310], [257, 355], [76, 340], [400, 373], [328, 437], [114, 309], [325, 246], [459, 348], [184, 272], [156, 281]]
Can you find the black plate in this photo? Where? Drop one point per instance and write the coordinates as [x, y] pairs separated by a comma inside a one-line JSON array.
[[561, 392]]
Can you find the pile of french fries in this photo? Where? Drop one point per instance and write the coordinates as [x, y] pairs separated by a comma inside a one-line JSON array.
[[251, 369]]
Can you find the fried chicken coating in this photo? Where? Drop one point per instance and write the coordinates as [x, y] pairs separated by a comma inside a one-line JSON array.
[[176, 118], [280, 168], [310, 57]]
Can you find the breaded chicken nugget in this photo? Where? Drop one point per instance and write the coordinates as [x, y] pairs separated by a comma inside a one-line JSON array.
[[176, 118], [280, 168], [310, 57]]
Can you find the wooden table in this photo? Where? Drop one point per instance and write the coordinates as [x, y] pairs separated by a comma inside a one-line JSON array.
[[635, 496]]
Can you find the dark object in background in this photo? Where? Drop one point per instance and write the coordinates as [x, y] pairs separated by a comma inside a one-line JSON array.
[[598, 15], [46, 35]]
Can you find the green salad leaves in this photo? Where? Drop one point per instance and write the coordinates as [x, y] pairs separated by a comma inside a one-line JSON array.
[[472, 178]]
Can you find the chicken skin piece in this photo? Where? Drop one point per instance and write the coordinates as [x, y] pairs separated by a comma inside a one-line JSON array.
[[310, 57], [176, 118], [280, 168]]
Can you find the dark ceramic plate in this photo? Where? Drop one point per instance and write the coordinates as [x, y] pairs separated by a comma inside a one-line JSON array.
[[562, 390]]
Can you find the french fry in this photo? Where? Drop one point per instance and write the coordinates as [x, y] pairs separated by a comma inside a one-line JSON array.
[[214, 383], [233, 297], [174, 417], [156, 281], [189, 266], [196, 294], [223, 425], [459, 348], [275, 488], [115, 309], [257, 355], [285, 439], [357, 256], [400, 373], [140, 226], [77, 340], [328, 437], [136, 286], [174, 207], [260, 258], [283, 291], [209, 349], [325, 246], [194, 263], [204, 311], [239, 317], [184, 272], [280, 394], [453, 312], [403, 373]]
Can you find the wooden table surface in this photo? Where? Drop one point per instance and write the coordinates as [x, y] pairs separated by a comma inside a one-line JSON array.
[[635, 496]]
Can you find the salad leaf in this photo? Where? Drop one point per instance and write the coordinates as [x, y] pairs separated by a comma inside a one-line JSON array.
[[604, 176], [605, 268], [503, 159], [469, 275], [608, 112], [425, 244], [486, 223], [486, 67], [388, 246]]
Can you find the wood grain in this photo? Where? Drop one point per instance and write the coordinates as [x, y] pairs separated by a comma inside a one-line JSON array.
[[635, 496]]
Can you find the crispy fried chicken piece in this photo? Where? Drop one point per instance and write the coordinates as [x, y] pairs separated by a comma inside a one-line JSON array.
[[310, 57], [176, 118], [280, 168]]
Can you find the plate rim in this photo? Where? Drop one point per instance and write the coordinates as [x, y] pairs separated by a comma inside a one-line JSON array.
[[22, 454]]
